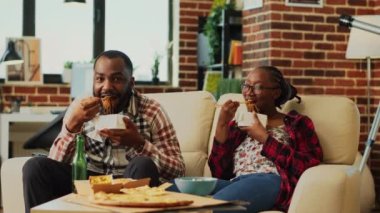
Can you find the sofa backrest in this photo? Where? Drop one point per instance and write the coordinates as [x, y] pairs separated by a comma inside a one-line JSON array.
[[336, 120], [191, 114], [337, 123]]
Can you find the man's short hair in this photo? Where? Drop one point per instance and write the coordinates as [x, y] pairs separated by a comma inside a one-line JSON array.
[[117, 54]]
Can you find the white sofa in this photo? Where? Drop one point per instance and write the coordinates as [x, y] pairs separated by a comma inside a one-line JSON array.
[[334, 186]]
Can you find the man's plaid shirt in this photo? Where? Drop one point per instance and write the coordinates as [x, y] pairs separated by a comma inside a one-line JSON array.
[[161, 143]]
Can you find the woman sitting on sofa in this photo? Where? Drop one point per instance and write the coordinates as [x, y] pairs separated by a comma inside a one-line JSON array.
[[262, 164]]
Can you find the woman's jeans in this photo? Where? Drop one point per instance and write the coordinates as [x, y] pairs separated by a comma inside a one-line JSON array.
[[260, 190]]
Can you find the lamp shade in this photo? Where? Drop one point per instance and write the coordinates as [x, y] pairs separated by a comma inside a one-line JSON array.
[[10, 55], [363, 44], [76, 1]]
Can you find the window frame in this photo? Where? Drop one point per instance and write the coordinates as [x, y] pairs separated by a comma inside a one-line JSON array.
[[99, 32], [304, 3]]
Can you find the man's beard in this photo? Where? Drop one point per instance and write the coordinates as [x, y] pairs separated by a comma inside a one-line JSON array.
[[122, 102]]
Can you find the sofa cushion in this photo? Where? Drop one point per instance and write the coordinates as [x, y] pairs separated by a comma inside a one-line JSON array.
[[191, 114], [195, 162]]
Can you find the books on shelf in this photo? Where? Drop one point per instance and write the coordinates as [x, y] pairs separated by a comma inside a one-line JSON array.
[[236, 53]]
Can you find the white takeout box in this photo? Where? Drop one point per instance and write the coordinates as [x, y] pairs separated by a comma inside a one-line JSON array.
[[112, 121], [244, 118]]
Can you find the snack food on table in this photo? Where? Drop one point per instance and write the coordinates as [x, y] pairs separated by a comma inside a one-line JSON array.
[[106, 183], [100, 179], [132, 183], [132, 193], [144, 196]]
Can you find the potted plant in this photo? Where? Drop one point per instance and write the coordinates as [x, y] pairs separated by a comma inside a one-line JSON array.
[[155, 69], [211, 28], [68, 65], [66, 75]]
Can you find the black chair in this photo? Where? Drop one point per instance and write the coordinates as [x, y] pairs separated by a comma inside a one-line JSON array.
[[44, 138]]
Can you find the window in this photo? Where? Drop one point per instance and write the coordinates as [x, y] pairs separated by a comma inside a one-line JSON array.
[[11, 25], [65, 31], [141, 29], [304, 3]]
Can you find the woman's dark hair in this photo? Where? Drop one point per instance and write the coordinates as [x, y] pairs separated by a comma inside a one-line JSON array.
[[117, 54], [288, 91]]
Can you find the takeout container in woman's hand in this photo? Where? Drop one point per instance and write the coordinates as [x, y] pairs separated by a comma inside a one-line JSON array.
[[244, 118]]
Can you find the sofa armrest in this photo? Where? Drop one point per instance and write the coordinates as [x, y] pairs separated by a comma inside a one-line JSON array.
[[367, 187], [11, 184], [327, 188]]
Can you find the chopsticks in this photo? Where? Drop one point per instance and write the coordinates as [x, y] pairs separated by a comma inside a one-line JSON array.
[[240, 102]]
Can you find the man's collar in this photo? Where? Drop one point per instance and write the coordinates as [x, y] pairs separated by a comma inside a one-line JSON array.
[[133, 104]]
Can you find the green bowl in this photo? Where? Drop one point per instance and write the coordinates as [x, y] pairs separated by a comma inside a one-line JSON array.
[[196, 185]]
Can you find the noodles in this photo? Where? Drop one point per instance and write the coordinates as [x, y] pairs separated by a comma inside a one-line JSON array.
[[251, 106], [107, 105]]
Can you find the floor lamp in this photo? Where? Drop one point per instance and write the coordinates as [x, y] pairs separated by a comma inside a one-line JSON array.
[[364, 43]]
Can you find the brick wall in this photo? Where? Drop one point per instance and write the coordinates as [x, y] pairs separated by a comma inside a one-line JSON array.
[[56, 94], [190, 10], [37, 95], [309, 47]]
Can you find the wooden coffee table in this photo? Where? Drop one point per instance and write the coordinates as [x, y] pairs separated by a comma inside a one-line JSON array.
[[62, 206]]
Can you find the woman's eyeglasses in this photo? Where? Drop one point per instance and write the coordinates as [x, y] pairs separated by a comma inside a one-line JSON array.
[[256, 88]]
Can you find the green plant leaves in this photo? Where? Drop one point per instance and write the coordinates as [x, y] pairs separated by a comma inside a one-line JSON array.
[[212, 26]]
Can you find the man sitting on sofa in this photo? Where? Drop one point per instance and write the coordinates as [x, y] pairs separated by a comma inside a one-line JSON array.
[[147, 147]]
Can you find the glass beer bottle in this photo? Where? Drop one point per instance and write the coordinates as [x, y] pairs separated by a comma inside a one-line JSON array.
[[79, 165]]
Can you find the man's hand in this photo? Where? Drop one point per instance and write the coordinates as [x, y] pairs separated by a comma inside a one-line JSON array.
[[82, 111], [126, 137], [256, 130]]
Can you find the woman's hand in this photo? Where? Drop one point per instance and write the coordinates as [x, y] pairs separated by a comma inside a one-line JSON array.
[[82, 111], [256, 130], [227, 113]]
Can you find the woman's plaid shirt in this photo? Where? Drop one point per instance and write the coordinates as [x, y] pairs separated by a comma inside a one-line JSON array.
[[161, 143], [303, 151]]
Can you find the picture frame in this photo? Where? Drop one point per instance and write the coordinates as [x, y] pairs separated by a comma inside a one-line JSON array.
[[29, 72], [304, 3]]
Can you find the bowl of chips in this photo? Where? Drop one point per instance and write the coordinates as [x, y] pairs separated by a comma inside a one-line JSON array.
[[196, 185]]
